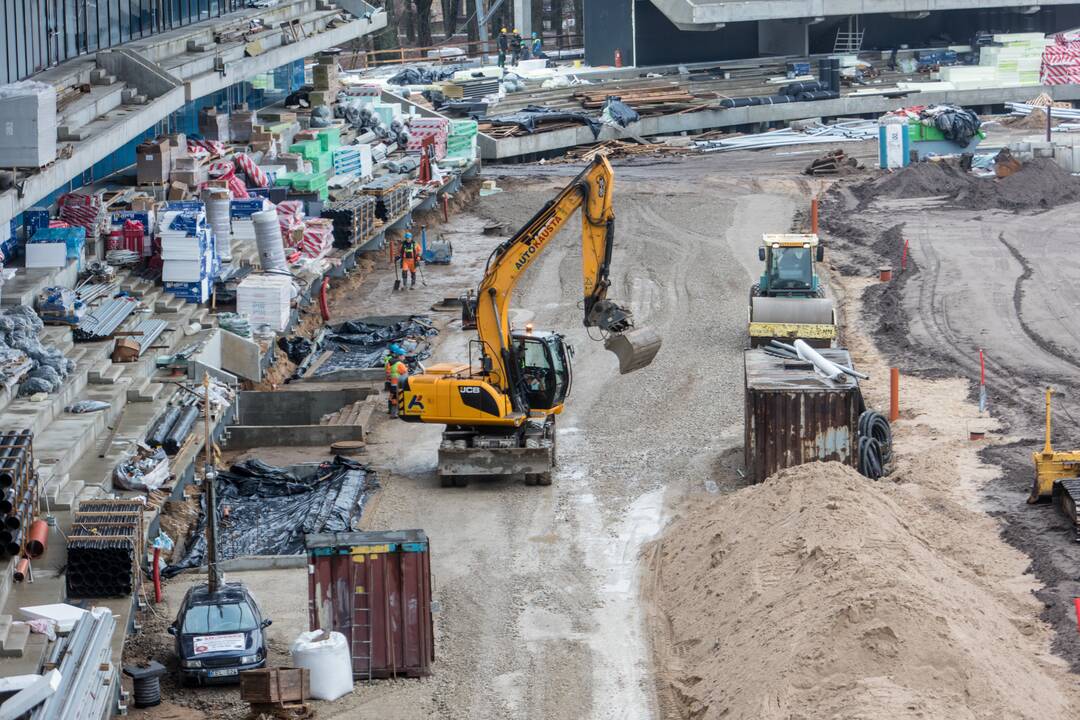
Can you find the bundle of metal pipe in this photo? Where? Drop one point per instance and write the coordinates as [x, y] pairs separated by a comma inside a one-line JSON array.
[[14, 453], [84, 660], [147, 332], [89, 292], [852, 131], [1024, 109], [180, 430], [105, 319]]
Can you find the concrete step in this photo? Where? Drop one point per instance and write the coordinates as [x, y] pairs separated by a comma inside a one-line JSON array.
[[5, 627], [168, 304], [69, 133], [105, 374], [15, 642], [69, 437], [102, 99], [67, 496], [90, 492], [145, 391], [194, 46]]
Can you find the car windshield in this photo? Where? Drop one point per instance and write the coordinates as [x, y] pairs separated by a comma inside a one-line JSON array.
[[230, 617], [791, 269]]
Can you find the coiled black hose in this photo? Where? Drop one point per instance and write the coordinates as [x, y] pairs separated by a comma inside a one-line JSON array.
[[875, 444]]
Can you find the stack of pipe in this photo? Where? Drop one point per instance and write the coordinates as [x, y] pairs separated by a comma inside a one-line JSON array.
[[103, 553], [83, 659], [105, 319]]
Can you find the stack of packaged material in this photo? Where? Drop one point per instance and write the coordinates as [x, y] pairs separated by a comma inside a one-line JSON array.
[[291, 218], [423, 127], [1061, 60], [318, 238], [214, 125], [1014, 59], [187, 249], [353, 160], [54, 247], [265, 300], [243, 228], [85, 211], [461, 144]]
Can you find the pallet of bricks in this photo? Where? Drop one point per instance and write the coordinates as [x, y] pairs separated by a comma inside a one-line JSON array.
[[354, 220], [104, 546], [392, 194], [18, 495], [424, 127]]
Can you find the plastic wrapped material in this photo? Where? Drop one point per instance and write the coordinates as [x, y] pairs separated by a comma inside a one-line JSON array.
[[87, 406], [328, 658], [270, 509], [957, 124], [532, 117], [616, 112], [21, 350], [359, 344], [145, 471]]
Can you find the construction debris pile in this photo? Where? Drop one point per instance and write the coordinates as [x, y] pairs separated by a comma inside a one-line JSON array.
[[267, 510], [1039, 183], [24, 359], [893, 615]]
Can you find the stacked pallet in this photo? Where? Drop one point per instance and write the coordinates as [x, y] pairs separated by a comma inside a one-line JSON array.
[[1061, 60], [265, 300], [424, 127]]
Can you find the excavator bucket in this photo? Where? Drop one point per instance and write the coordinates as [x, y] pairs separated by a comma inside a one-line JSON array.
[[635, 348]]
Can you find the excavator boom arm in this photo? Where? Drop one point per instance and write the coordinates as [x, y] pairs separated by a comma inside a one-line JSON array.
[[591, 192]]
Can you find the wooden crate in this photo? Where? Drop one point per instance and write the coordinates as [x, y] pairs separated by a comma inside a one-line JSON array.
[[275, 685]]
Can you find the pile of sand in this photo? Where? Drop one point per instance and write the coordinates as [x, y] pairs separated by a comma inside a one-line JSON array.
[[819, 594], [1039, 184]]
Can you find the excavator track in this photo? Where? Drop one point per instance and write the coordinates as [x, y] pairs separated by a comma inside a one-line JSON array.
[[1067, 496]]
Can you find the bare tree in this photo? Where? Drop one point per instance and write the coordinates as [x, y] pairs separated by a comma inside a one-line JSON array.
[[423, 23], [472, 27], [451, 9], [410, 21], [387, 38]]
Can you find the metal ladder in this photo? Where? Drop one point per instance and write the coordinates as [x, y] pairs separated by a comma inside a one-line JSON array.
[[361, 621], [850, 40]]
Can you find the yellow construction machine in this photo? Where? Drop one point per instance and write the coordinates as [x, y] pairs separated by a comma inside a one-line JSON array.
[[1057, 474], [499, 408], [788, 302]]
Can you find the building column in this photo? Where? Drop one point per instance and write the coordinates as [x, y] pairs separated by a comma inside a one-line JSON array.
[[523, 17]]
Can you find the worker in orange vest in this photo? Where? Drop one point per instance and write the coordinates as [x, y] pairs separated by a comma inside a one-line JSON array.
[[408, 258], [398, 372]]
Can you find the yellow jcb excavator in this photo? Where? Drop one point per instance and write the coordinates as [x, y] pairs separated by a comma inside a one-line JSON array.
[[500, 411]]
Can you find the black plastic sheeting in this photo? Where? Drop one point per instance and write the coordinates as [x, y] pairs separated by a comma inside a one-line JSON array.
[[956, 123], [422, 76], [362, 344], [531, 117], [620, 112], [296, 348], [270, 509]]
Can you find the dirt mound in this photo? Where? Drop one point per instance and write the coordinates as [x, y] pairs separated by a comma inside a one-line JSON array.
[[819, 594], [1039, 184], [1035, 120]]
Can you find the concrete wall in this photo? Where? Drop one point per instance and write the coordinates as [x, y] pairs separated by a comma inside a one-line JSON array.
[[243, 437], [659, 41], [295, 407], [608, 26], [710, 12], [783, 37]]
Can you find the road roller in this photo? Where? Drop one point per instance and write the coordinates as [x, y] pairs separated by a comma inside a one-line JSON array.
[[788, 302]]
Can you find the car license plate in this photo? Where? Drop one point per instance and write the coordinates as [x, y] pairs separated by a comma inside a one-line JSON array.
[[226, 672]]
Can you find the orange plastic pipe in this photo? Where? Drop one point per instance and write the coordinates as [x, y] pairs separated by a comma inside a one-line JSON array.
[[21, 570], [894, 394], [37, 539]]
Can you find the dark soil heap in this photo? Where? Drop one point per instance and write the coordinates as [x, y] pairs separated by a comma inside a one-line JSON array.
[[1039, 185]]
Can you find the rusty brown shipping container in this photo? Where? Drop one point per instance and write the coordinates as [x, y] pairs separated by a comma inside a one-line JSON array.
[[375, 589], [795, 416]]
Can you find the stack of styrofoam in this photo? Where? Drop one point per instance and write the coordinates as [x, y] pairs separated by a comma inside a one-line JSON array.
[[265, 300], [462, 140], [28, 116], [1061, 60], [353, 160], [1014, 59], [187, 249], [423, 127], [387, 112]]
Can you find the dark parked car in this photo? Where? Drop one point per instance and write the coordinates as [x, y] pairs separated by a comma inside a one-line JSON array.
[[218, 635]]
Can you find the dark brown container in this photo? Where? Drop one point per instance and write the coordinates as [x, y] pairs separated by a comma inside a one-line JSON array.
[[375, 589], [275, 685], [795, 416]]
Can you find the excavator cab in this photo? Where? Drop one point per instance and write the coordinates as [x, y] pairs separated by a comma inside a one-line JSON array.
[[544, 368]]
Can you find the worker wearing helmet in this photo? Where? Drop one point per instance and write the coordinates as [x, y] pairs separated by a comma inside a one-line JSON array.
[[398, 372], [408, 259], [516, 44], [537, 46], [504, 45]]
